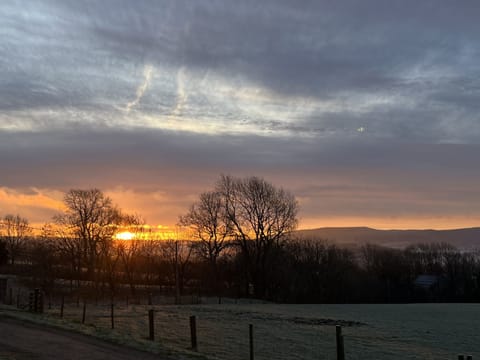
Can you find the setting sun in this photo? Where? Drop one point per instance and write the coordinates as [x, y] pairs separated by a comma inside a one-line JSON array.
[[125, 235]]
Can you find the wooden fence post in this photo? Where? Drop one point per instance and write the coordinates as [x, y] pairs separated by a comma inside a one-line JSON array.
[[340, 345], [62, 305], [40, 301], [84, 311], [461, 357], [36, 296], [250, 336], [193, 332], [18, 298], [469, 357], [30, 302], [151, 329], [112, 315]]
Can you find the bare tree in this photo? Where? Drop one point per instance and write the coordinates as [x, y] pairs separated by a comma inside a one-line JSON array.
[[177, 253], [126, 252], [16, 230], [107, 265], [93, 220], [3, 253], [43, 260], [208, 222], [129, 252], [69, 248], [261, 216], [149, 256], [429, 258], [389, 267], [316, 270]]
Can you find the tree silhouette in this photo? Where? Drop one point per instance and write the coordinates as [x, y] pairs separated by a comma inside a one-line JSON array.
[[15, 230], [261, 216], [92, 219], [208, 222]]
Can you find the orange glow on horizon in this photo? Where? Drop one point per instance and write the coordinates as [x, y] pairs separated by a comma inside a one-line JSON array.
[[149, 232], [39, 205], [165, 232]]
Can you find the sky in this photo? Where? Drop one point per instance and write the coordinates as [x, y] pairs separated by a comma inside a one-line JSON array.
[[367, 111]]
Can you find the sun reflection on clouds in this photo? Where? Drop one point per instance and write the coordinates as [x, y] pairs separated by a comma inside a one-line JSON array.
[[37, 205], [10, 199]]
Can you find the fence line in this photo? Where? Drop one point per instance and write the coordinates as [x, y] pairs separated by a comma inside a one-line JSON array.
[[36, 306]]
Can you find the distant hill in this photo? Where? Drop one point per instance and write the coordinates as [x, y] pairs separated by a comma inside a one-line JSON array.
[[356, 236]]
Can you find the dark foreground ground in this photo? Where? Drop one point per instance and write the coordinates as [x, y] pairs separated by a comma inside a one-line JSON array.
[[21, 340]]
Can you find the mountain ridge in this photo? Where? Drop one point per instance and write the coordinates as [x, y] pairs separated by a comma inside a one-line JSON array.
[[463, 238]]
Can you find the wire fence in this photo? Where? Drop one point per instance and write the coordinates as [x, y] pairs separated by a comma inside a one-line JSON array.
[[232, 330]]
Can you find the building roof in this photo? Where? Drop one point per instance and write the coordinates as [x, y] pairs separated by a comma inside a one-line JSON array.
[[426, 281]]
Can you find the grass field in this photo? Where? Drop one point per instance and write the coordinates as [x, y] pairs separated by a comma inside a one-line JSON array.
[[406, 331]]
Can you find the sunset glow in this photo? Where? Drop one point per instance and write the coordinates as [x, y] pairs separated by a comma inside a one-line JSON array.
[[148, 232], [126, 235]]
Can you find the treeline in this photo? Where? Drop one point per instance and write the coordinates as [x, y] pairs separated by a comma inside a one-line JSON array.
[[236, 240], [320, 272], [299, 271]]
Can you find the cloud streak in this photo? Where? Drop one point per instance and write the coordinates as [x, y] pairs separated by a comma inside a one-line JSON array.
[[147, 74], [181, 94]]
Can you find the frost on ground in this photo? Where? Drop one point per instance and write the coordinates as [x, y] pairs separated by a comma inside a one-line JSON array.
[[416, 331]]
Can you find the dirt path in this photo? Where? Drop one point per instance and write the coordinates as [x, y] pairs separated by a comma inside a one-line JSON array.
[[21, 340]]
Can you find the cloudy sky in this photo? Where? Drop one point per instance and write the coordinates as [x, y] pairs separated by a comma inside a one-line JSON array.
[[368, 111]]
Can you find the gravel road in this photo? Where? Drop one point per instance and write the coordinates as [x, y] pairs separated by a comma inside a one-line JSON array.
[[22, 340]]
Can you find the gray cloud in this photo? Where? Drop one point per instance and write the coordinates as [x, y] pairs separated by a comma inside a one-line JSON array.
[[364, 107], [354, 178], [84, 152], [91, 55]]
